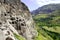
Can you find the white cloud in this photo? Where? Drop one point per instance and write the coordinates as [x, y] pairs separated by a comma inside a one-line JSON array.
[[34, 4], [44, 2]]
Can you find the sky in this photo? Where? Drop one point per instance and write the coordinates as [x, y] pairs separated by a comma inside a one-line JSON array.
[[34, 4]]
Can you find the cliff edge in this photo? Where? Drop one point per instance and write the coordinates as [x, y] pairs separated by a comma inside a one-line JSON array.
[[15, 21]]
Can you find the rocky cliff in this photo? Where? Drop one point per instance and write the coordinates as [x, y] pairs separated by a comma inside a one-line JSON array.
[[15, 21]]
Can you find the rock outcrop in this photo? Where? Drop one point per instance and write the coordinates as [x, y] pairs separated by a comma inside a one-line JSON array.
[[15, 18]]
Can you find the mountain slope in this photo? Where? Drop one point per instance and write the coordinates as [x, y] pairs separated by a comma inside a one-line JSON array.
[[46, 9], [48, 26]]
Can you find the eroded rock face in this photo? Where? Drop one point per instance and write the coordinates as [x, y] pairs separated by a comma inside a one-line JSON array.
[[15, 18]]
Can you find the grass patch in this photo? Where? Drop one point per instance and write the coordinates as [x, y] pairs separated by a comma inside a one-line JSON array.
[[18, 37]]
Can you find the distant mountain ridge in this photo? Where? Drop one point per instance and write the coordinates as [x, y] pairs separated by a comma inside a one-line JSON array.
[[46, 9]]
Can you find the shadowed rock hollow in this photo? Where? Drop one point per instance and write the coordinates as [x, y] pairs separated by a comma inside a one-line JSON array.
[[15, 18]]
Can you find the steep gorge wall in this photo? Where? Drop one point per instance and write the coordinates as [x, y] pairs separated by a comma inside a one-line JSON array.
[[15, 18]]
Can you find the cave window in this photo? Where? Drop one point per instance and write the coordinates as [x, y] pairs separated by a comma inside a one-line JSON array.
[[5, 14], [8, 32], [0, 23], [8, 38], [10, 22], [12, 18], [19, 19], [22, 24], [8, 12], [13, 22]]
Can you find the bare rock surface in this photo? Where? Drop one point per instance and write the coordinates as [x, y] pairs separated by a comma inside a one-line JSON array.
[[15, 18]]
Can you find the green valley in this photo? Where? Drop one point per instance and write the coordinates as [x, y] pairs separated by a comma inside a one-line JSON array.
[[48, 26]]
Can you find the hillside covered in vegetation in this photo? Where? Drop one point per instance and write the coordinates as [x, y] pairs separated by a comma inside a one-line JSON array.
[[48, 26]]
